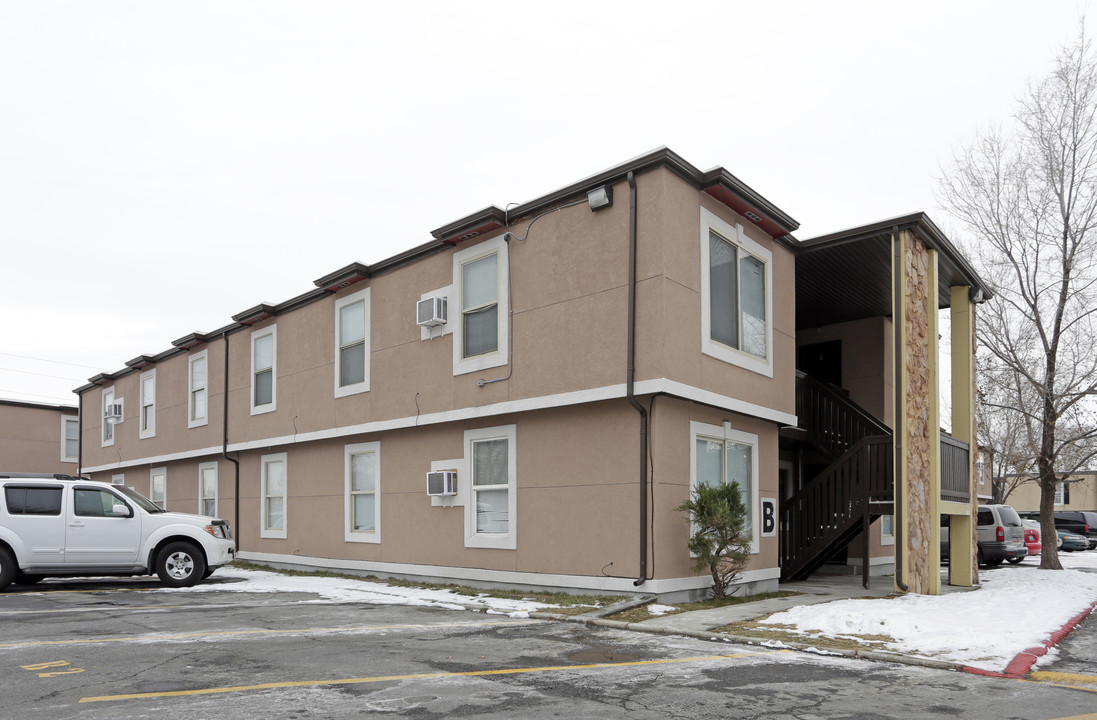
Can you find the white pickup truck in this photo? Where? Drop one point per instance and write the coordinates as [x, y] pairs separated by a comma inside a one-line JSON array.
[[58, 525]]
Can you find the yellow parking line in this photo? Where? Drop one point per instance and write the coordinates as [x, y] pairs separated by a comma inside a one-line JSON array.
[[421, 676], [237, 633], [1076, 681]]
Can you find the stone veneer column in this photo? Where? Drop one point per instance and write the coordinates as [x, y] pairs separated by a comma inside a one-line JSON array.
[[919, 447]]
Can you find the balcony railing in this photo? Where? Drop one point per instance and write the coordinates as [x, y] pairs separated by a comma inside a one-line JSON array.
[[955, 473]]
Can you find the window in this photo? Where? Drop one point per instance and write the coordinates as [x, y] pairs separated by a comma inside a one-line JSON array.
[[1062, 493], [274, 489], [722, 455], [736, 290], [198, 389], [887, 529], [147, 423], [70, 439], [480, 276], [363, 492], [264, 351], [491, 517], [91, 502], [108, 423], [207, 489], [352, 345], [158, 487], [33, 500], [118, 479]]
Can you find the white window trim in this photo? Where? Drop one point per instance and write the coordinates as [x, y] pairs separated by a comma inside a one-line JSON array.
[[272, 330], [193, 422], [727, 434], [887, 538], [733, 356], [264, 531], [65, 420], [107, 398], [202, 467], [162, 470], [350, 534], [1059, 494], [142, 431], [462, 365], [502, 541], [345, 390]]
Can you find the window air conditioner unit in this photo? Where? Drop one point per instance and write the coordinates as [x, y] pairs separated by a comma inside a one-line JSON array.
[[113, 411], [442, 483], [430, 312]]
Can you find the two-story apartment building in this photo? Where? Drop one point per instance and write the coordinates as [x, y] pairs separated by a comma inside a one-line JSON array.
[[39, 437], [1078, 492], [579, 363]]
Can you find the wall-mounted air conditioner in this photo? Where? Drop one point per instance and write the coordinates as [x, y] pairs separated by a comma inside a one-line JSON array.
[[442, 483], [430, 312], [113, 411]]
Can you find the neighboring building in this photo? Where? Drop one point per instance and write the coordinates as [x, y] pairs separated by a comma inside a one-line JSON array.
[[36, 437], [580, 362], [1079, 492], [984, 476]]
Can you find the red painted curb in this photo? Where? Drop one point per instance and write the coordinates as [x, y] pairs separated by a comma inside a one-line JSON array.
[[1020, 665]]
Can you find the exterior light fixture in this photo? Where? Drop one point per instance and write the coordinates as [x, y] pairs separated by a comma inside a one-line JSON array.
[[599, 198]]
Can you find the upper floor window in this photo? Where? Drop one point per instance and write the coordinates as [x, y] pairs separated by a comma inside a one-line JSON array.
[[198, 389], [264, 382], [480, 275], [147, 422], [109, 417], [70, 439], [736, 289], [352, 345]]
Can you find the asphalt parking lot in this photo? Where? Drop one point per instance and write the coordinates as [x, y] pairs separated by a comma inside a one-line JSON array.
[[129, 649]]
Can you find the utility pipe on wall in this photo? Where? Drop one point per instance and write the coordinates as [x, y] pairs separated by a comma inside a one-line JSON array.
[[630, 382], [225, 445]]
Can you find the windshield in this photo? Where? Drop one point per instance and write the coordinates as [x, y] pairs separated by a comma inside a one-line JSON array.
[[140, 500]]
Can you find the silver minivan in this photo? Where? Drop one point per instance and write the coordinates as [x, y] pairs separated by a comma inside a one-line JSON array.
[[1001, 535]]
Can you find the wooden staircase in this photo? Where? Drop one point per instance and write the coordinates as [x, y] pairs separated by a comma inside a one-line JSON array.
[[856, 488]]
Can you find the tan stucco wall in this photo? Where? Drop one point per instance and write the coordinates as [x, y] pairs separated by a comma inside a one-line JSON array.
[[1083, 494], [30, 439], [867, 355]]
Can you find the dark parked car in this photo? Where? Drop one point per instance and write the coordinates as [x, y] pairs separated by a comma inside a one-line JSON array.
[[1071, 541], [1078, 522]]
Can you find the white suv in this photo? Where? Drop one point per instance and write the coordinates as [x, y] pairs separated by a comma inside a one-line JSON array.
[[55, 525]]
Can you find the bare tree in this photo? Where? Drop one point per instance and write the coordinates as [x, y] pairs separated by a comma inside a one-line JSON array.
[[1027, 197]]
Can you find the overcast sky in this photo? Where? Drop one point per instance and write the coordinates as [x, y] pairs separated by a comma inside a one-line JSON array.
[[164, 166]]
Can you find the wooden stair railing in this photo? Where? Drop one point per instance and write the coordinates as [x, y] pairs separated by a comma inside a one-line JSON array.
[[833, 422], [831, 509]]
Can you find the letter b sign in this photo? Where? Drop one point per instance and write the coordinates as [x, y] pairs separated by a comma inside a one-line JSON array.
[[769, 517]]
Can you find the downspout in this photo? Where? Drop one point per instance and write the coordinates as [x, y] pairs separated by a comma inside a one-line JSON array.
[[225, 446], [630, 382], [79, 434], [898, 310]]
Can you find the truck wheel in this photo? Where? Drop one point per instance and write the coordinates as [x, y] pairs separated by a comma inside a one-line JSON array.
[[180, 564], [8, 568]]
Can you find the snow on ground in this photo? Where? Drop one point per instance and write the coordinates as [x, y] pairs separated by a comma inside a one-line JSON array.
[[1017, 607], [347, 590]]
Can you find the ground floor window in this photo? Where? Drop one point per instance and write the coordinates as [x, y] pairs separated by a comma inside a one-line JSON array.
[[207, 489], [362, 464], [158, 487], [491, 511], [723, 455], [274, 496]]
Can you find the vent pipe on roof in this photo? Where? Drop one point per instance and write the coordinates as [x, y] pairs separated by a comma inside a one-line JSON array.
[[630, 382]]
